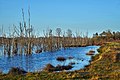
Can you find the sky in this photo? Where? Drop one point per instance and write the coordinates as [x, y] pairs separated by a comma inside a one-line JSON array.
[[78, 15]]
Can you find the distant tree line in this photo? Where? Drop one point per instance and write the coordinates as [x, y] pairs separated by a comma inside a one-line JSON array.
[[105, 36], [23, 40]]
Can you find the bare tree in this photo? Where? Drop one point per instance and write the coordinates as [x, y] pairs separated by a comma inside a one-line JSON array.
[[69, 37], [58, 43], [58, 32], [50, 32], [69, 33]]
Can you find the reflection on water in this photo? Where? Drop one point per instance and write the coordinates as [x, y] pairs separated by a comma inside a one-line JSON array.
[[36, 62]]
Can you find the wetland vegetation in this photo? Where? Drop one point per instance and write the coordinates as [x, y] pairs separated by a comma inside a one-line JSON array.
[[58, 54]]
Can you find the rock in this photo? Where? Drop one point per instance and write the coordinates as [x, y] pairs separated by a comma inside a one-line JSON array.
[[51, 68], [91, 52], [60, 68], [60, 59]]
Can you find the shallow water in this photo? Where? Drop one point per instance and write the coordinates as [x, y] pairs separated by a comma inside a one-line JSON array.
[[36, 62]]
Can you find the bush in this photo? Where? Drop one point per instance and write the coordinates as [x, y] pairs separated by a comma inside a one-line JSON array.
[[16, 71], [49, 68]]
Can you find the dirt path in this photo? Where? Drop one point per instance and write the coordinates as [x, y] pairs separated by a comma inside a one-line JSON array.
[[100, 57]]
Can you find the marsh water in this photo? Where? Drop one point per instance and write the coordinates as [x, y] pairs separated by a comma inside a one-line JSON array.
[[36, 62]]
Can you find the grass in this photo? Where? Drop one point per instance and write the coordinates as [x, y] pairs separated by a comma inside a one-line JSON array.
[[103, 68]]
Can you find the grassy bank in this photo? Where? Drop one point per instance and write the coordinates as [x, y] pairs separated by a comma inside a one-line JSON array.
[[105, 65]]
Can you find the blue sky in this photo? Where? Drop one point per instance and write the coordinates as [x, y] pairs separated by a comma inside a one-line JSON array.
[[78, 15]]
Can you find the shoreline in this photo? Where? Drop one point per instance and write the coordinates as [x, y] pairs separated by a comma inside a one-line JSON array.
[[104, 67]]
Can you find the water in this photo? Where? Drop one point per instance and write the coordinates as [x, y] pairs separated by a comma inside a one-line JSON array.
[[36, 62]]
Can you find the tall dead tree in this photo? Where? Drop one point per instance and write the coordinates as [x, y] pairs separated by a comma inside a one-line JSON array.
[[29, 35], [63, 40], [50, 43], [14, 41], [58, 43], [69, 37], [27, 32]]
